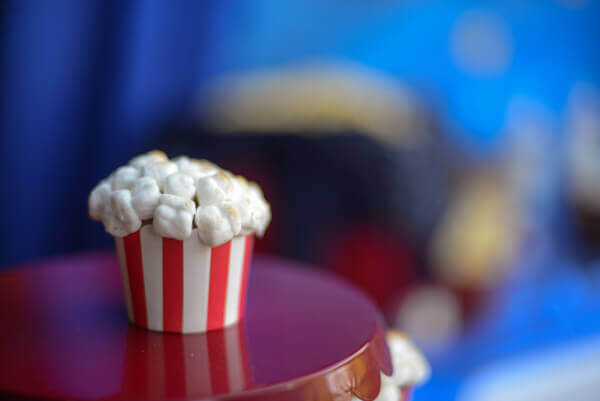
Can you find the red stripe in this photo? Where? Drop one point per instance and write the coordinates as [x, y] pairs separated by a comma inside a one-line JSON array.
[[217, 291], [406, 392], [172, 284], [133, 255], [245, 274], [217, 355]]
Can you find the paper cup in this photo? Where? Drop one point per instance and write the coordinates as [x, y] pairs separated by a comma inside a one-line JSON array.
[[183, 286]]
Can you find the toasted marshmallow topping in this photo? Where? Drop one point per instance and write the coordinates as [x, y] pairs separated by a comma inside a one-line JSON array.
[[178, 195]]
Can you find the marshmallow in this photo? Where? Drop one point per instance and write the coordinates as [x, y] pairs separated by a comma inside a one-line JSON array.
[[180, 184], [122, 220], [214, 188], [144, 197], [159, 171], [194, 167], [99, 200], [260, 211], [218, 224], [124, 177], [173, 217], [151, 157], [205, 164]]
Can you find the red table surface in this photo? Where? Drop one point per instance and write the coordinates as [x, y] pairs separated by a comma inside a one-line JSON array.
[[306, 335]]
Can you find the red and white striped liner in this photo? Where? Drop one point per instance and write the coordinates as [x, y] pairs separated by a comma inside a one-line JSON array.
[[183, 286]]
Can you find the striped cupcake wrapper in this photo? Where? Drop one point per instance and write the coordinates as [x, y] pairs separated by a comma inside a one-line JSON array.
[[183, 286]]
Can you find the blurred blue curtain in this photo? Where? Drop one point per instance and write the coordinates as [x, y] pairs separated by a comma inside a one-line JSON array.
[[83, 85]]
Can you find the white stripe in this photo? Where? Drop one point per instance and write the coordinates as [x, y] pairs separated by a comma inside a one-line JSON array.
[[197, 366], [235, 368], [196, 280], [153, 276], [124, 276], [234, 280]]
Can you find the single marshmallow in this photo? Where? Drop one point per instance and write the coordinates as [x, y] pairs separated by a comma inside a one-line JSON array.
[[99, 200], [205, 164], [144, 197], [218, 224], [260, 211], [123, 220], [151, 157], [159, 171], [173, 217], [260, 216], [214, 188], [124, 177], [180, 184], [243, 203], [194, 167]]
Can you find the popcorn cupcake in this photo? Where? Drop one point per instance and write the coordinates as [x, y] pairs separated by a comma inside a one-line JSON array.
[[183, 231]]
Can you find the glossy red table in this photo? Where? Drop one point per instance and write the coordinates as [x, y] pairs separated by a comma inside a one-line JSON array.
[[306, 336]]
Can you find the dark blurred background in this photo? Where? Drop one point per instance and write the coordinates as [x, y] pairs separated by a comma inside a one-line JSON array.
[[442, 155]]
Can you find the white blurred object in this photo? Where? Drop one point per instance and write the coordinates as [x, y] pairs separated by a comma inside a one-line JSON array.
[[431, 316], [481, 43], [410, 367], [565, 373]]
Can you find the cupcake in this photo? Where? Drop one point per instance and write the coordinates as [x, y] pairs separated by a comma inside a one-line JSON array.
[[184, 231]]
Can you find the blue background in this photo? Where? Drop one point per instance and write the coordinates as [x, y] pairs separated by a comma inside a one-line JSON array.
[[85, 84]]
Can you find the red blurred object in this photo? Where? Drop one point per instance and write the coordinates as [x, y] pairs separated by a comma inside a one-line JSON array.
[[376, 261], [306, 336]]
